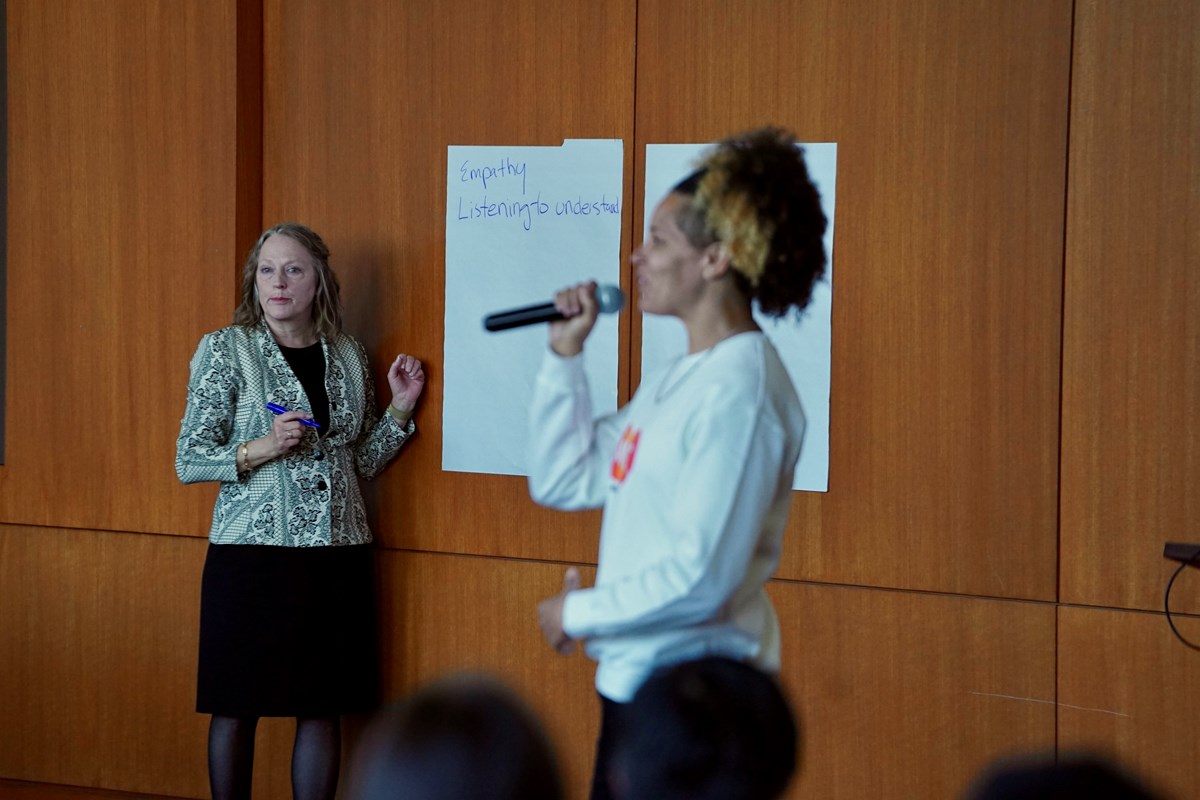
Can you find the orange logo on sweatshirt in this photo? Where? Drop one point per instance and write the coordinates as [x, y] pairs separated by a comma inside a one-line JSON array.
[[622, 460]]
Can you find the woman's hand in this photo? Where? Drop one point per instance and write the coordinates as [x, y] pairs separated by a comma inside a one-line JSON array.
[[407, 379], [578, 304], [287, 431], [550, 615]]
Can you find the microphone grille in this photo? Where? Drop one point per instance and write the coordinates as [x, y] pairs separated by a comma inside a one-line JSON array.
[[610, 298]]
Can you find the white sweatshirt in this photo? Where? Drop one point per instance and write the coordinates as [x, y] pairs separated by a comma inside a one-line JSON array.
[[695, 477]]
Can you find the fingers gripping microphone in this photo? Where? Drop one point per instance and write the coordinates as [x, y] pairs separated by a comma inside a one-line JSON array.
[[610, 299]]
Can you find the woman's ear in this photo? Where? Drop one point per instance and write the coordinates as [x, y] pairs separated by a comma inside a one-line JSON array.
[[717, 262]]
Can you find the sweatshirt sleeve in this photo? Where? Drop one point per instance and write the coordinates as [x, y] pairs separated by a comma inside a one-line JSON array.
[[203, 451], [727, 485], [569, 452]]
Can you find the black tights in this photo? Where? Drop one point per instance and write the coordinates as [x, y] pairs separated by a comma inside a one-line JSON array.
[[316, 757]]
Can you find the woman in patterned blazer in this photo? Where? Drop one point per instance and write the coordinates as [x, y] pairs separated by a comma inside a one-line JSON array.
[[281, 412]]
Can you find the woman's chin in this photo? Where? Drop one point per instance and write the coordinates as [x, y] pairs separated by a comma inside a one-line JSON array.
[[653, 309]]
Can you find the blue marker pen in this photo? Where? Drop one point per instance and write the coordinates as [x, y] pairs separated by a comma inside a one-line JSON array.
[[275, 409]]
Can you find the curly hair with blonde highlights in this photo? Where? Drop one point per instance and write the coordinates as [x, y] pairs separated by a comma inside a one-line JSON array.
[[752, 193]]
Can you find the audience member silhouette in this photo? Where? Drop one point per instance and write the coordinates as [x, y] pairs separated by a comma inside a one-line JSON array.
[[466, 736], [1066, 778], [711, 728]]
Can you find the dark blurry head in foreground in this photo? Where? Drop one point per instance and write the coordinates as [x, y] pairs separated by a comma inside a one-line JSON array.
[[1069, 777], [712, 728], [465, 736]]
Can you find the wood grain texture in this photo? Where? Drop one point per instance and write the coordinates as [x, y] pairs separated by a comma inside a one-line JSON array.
[[1131, 343], [98, 660], [1128, 689], [920, 685], [361, 105], [98, 647], [444, 614], [906, 695], [121, 220], [24, 790], [249, 149], [148, 146], [950, 120]]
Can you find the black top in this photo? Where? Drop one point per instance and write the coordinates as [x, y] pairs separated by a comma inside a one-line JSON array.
[[308, 363]]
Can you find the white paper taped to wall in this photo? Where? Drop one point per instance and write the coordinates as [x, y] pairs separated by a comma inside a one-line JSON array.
[[521, 223]]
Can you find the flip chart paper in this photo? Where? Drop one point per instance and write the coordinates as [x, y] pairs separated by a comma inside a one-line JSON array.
[[521, 223]]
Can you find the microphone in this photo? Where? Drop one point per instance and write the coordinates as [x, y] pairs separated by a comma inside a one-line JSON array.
[[610, 298]]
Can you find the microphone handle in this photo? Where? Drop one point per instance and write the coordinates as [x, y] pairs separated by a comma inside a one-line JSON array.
[[519, 317]]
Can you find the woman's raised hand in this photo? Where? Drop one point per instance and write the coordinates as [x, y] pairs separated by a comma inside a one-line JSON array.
[[578, 304], [406, 376]]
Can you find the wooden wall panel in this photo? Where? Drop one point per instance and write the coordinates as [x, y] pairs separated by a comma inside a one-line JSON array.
[[909, 695], [98, 669], [1131, 341], [900, 695], [950, 120], [448, 613], [23, 790], [361, 103], [1129, 689], [121, 220], [140, 169], [98, 660]]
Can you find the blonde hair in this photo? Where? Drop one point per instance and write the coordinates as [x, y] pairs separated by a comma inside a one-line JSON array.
[[327, 301], [752, 193]]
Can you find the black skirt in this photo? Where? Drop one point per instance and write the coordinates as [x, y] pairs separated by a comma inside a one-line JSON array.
[[287, 632]]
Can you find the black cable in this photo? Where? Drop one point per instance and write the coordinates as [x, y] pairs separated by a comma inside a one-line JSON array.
[[1167, 598]]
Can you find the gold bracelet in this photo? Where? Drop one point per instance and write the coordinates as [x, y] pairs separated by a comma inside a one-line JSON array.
[[398, 415], [243, 458]]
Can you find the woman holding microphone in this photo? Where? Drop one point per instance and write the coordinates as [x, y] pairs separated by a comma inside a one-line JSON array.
[[695, 472]]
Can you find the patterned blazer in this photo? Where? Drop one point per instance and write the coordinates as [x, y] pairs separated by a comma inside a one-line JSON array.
[[310, 496]]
